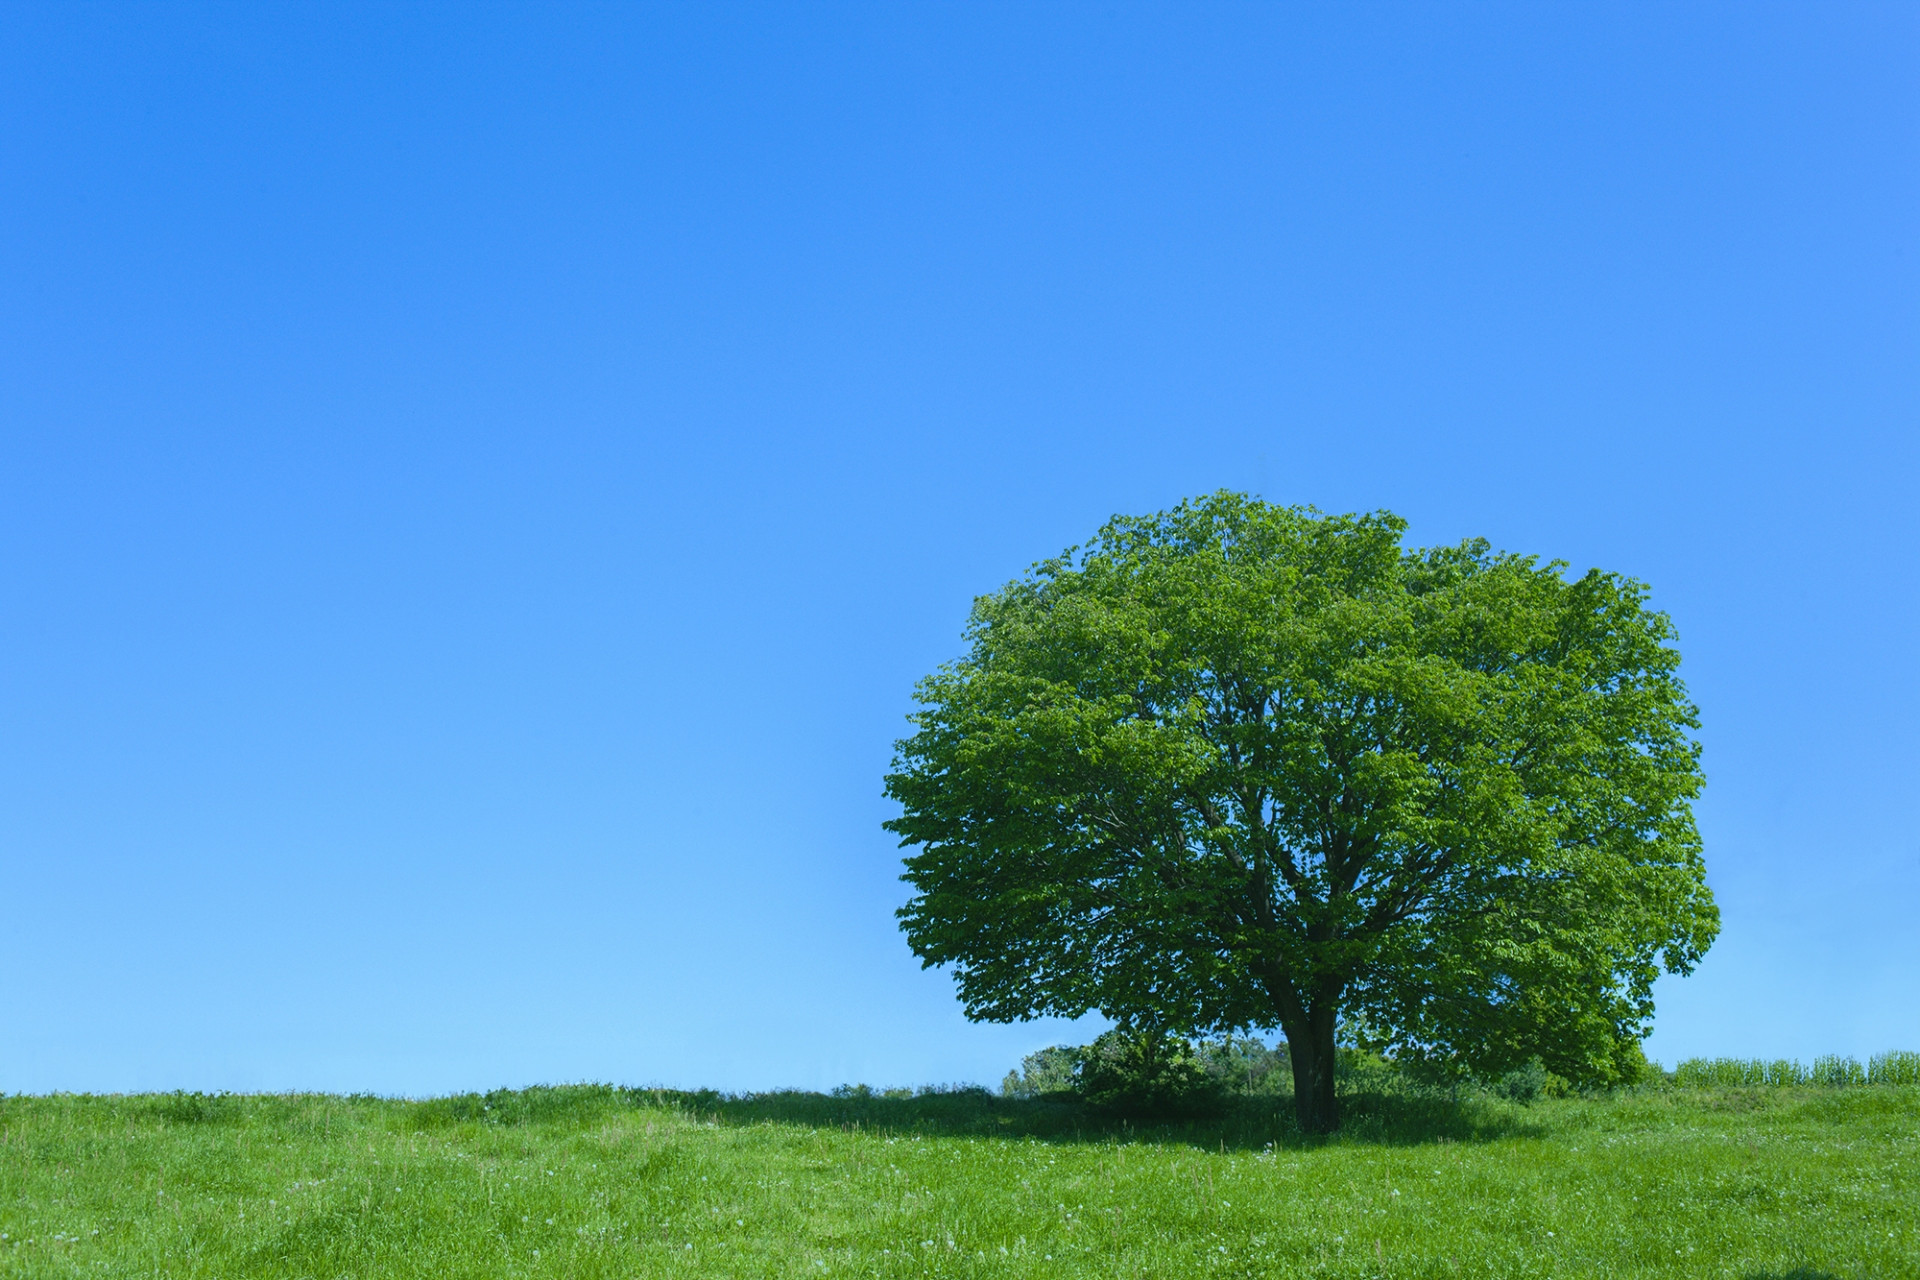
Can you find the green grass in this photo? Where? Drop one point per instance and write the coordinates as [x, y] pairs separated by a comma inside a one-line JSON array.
[[584, 1182]]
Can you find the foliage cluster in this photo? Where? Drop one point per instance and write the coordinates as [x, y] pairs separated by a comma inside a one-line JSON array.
[[1154, 1073], [1526, 1083], [1894, 1068]]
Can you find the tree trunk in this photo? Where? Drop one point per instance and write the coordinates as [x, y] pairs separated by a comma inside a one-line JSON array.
[[1311, 1048]]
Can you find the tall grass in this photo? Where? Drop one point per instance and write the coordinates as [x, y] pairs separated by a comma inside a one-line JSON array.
[[1831, 1070]]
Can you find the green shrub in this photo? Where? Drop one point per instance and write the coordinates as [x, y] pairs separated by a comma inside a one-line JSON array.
[[1728, 1073], [1242, 1066], [1529, 1082], [1785, 1071], [1894, 1067], [1831, 1071], [1364, 1071], [1834, 1070], [1722, 1073], [1053, 1071], [201, 1108], [1630, 1063], [1146, 1073]]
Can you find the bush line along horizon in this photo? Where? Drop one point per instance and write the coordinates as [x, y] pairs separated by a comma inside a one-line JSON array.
[[1237, 765], [1181, 1079]]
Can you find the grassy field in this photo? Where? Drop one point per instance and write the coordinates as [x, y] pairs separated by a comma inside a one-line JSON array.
[[595, 1182]]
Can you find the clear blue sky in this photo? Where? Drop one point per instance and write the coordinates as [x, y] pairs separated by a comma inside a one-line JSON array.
[[477, 489]]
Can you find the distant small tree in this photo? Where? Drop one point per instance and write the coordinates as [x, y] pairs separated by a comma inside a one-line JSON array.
[[1238, 765], [1242, 1065], [1052, 1071]]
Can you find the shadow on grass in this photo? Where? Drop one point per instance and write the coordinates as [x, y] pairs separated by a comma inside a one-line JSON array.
[[1249, 1124]]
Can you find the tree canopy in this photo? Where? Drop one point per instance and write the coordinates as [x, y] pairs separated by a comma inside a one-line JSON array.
[[1241, 765]]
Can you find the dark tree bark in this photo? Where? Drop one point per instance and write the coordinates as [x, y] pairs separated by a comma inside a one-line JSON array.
[[1310, 1045]]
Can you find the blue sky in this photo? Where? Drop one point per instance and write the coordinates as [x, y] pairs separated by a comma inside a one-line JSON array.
[[477, 488]]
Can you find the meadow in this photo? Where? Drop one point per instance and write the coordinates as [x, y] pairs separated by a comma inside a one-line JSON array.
[[1758, 1181]]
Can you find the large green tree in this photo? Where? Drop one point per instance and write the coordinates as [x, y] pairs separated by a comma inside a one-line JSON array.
[[1239, 765]]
